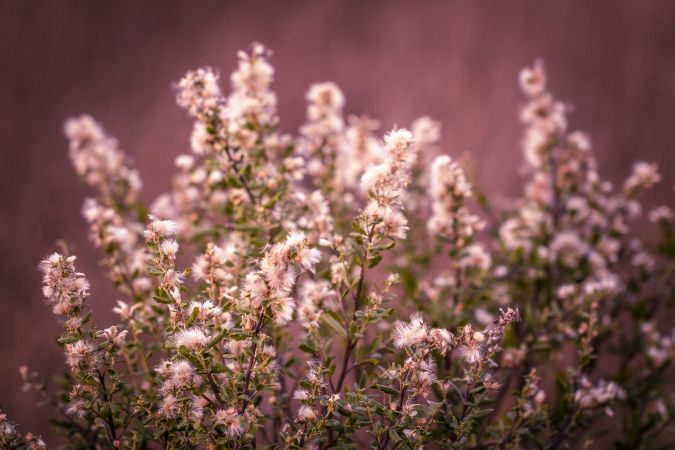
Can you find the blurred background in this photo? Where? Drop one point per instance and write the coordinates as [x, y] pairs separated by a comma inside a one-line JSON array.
[[613, 61]]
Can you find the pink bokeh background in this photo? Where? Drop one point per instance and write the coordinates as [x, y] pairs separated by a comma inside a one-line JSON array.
[[613, 61]]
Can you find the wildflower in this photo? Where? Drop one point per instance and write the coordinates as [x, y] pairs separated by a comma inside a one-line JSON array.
[[278, 270], [197, 408], [230, 419], [308, 258], [80, 355], [158, 229], [409, 334], [99, 161], [198, 92], [568, 248], [169, 247], [306, 413], [384, 182], [301, 394], [475, 256], [589, 396], [282, 309], [643, 177], [192, 338], [449, 189], [64, 288], [545, 114], [361, 150], [426, 131], [239, 204], [76, 408], [312, 293], [112, 335], [604, 283], [324, 112], [124, 310], [471, 353], [495, 333], [171, 280], [184, 162], [169, 407], [441, 339], [251, 97], [661, 214], [181, 373], [533, 79], [448, 181]]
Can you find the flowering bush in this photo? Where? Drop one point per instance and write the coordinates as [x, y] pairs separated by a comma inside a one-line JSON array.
[[334, 291]]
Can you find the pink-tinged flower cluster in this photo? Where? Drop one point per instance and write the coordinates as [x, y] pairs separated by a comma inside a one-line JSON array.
[[99, 161], [384, 186], [64, 288], [261, 228]]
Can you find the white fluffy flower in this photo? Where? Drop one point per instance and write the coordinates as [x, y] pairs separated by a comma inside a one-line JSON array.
[[192, 338], [411, 333], [230, 419], [199, 91], [306, 413]]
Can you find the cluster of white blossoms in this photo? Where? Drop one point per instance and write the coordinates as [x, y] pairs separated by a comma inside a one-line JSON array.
[[544, 117], [360, 148], [661, 214], [112, 214], [451, 220], [384, 184], [159, 236], [212, 268], [99, 161], [199, 92], [644, 176], [302, 253], [323, 136], [252, 97], [64, 288], [660, 347], [600, 394], [416, 332], [276, 277], [314, 296]]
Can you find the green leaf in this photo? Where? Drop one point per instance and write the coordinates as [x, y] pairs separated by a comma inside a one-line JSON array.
[[454, 389], [393, 436], [334, 322], [273, 201], [477, 414], [246, 173], [353, 330], [374, 261], [335, 425], [161, 296], [216, 339], [219, 368], [68, 339], [141, 213], [308, 347], [193, 317], [371, 361], [386, 389], [185, 353]]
